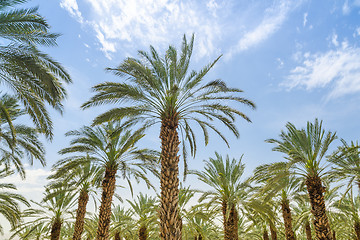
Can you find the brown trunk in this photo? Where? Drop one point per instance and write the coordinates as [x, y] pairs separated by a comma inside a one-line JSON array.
[[80, 214], [308, 231], [273, 232], [266, 235], [55, 229], [318, 209], [143, 233], [227, 232], [108, 187], [334, 235], [233, 223], [170, 222], [117, 236], [286, 212], [357, 229]]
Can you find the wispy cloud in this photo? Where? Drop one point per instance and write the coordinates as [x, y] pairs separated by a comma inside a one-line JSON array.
[[337, 69], [121, 24]]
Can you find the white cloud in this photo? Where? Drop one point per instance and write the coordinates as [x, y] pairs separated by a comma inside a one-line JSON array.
[[346, 8], [122, 24], [337, 69], [305, 19], [72, 7], [272, 21], [334, 40]]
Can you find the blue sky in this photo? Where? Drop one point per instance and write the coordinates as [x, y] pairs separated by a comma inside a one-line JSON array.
[[297, 60]]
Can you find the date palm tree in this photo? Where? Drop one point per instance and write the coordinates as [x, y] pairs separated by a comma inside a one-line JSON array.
[[111, 146], [122, 224], [163, 90], [32, 75], [17, 141], [49, 214], [305, 149], [229, 191], [84, 180]]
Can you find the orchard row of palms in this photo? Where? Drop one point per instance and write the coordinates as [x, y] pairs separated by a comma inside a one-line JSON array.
[[156, 91]]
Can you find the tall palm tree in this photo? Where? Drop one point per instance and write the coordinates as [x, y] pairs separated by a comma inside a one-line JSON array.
[[32, 75], [163, 90], [305, 149], [84, 180], [51, 212], [111, 146], [17, 141], [10, 201], [224, 176]]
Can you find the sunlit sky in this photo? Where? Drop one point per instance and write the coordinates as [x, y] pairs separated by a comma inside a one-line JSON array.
[[297, 60]]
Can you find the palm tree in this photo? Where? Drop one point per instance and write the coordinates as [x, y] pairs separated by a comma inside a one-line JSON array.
[[346, 164], [85, 180], [280, 186], [224, 176], [111, 146], [163, 90], [122, 224], [9, 201], [17, 141], [51, 212], [32, 75], [145, 209], [304, 149]]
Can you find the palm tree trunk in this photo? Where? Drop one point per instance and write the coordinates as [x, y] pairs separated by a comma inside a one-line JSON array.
[[357, 229], [227, 232], [233, 223], [80, 214], [286, 212], [55, 229], [318, 209], [266, 235], [334, 235], [170, 224], [108, 187], [117, 236], [308, 231], [273, 232], [143, 233]]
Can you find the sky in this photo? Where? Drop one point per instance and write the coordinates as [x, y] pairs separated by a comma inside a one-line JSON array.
[[297, 60]]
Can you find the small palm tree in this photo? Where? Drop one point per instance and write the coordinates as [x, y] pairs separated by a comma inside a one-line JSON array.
[[83, 180], [32, 75], [145, 209], [17, 141], [163, 90], [51, 212], [112, 147], [305, 150], [224, 176], [122, 224]]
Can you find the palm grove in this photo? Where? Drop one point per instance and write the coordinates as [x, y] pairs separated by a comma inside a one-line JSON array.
[[311, 194]]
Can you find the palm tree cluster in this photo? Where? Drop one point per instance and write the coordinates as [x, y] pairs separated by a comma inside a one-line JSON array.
[[312, 193]]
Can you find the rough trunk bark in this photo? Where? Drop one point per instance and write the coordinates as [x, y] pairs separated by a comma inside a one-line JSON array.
[[308, 231], [357, 229], [170, 222], [266, 235], [55, 229], [334, 234], [273, 232], [233, 223], [117, 236], [108, 187], [80, 214], [318, 209], [143, 235], [286, 213], [227, 232]]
